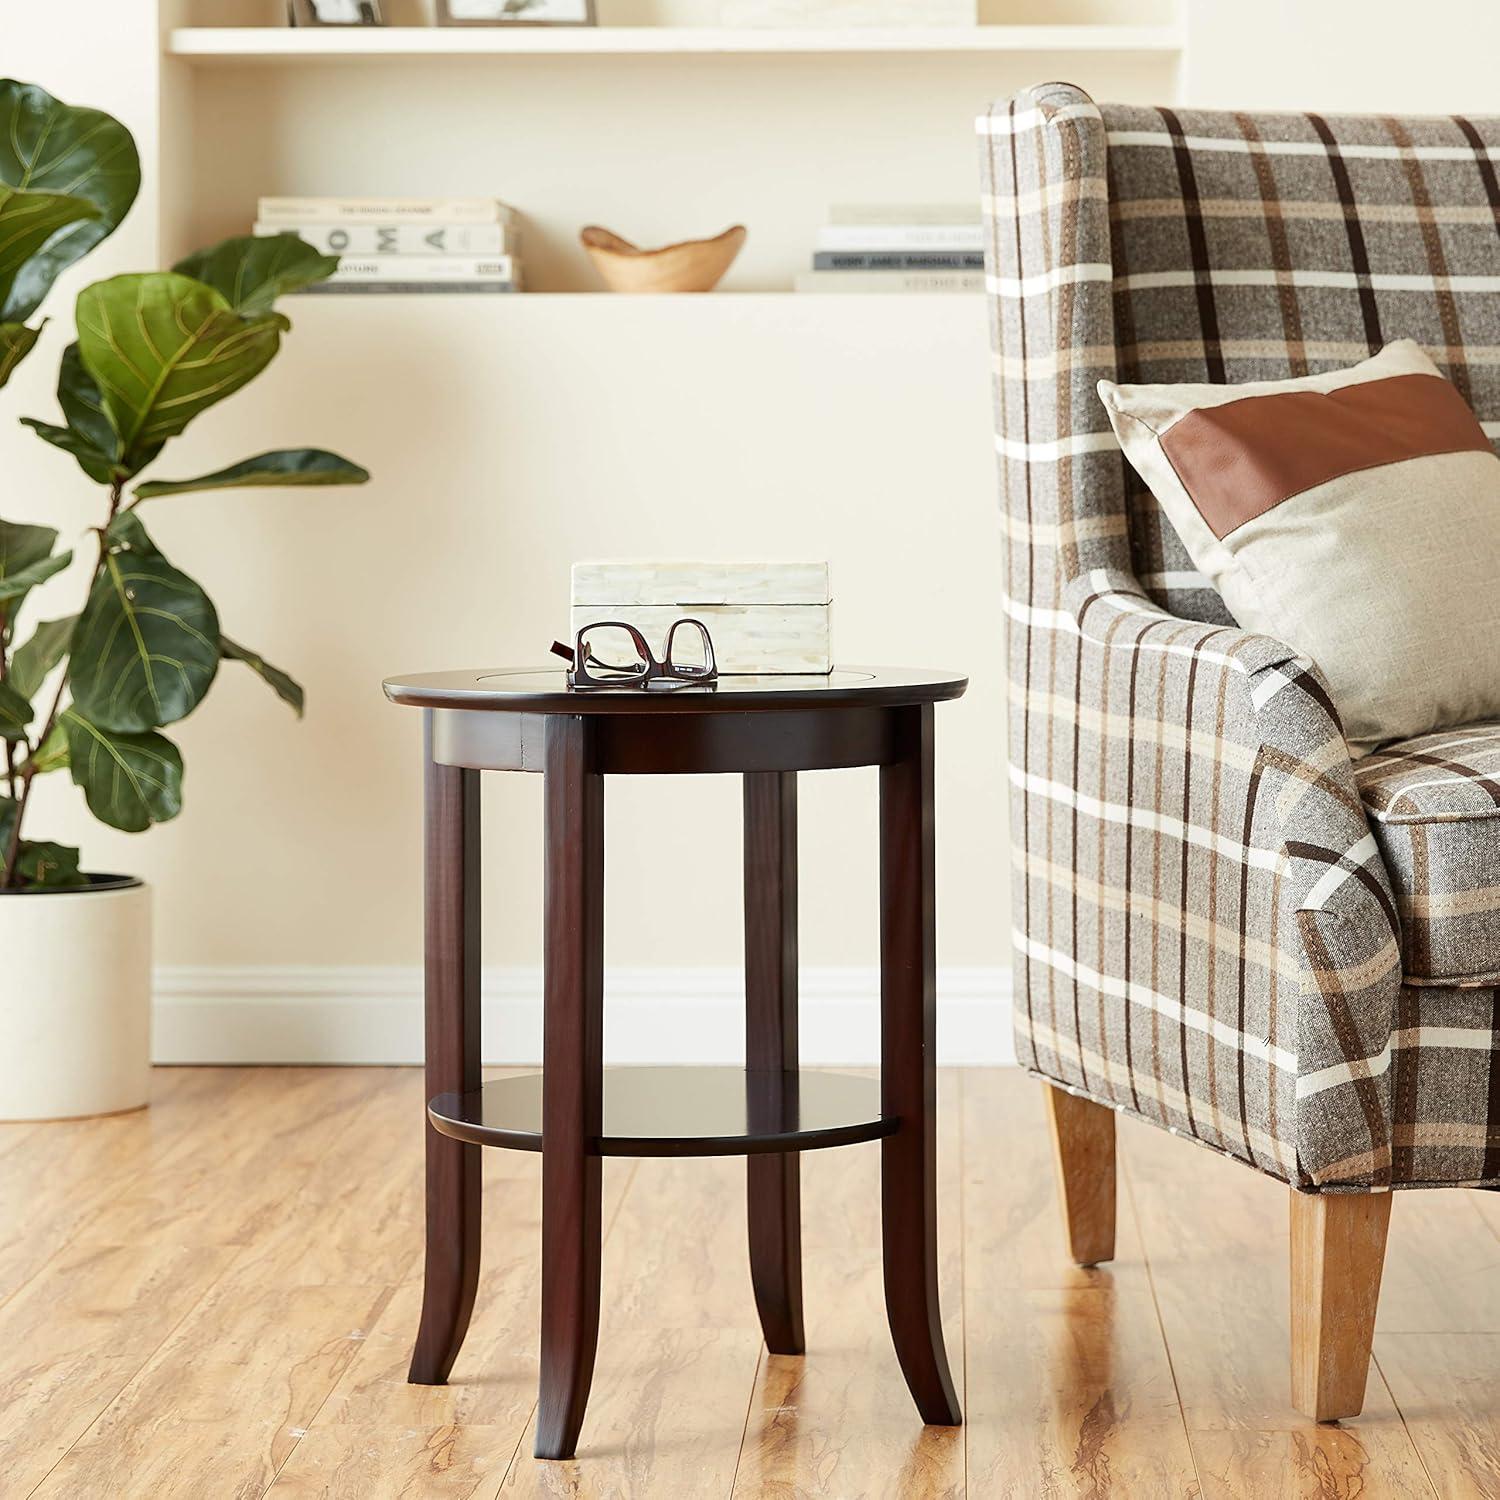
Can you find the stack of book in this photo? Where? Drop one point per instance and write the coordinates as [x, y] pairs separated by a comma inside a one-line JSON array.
[[404, 244], [899, 248]]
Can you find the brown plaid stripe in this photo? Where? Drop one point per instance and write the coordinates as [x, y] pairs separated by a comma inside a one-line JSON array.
[[1206, 931]]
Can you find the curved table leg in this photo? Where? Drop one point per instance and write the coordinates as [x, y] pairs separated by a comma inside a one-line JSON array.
[[572, 1081], [451, 864], [908, 1081], [773, 1182]]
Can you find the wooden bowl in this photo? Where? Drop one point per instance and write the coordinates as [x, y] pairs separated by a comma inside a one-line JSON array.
[[692, 266]]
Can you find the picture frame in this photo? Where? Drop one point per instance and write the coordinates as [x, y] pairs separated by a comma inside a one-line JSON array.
[[334, 13], [515, 13]]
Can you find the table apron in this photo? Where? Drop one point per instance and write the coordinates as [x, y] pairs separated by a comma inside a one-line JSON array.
[[682, 744]]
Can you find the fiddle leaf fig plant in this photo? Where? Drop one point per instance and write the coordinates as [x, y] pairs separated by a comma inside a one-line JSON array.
[[90, 692]]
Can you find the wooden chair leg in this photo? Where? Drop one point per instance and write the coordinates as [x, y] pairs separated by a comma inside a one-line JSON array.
[[1083, 1139], [1338, 1251]]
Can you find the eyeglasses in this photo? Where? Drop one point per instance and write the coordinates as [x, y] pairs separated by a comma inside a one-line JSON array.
[[612, 654]]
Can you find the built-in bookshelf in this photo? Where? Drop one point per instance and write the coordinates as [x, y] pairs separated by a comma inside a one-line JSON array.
[[207, 45], [661, 132]]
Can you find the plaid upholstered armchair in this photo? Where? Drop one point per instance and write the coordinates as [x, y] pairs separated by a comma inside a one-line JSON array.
[[1223, 924]]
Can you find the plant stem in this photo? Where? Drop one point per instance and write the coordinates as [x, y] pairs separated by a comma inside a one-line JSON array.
[[10, 749], [8, 877]]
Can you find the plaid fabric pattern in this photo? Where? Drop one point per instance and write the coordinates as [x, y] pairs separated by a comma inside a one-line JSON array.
[[1434, 804], [1206, 934]]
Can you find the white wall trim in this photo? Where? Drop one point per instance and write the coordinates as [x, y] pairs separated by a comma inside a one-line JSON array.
[[256, 1013]]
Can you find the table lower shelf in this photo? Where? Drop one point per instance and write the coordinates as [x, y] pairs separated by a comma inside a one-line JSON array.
[[682, 1111]]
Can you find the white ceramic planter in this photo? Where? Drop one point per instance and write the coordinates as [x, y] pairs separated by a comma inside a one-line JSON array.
[[75, 1002]]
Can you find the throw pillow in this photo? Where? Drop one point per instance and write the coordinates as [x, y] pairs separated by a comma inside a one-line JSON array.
[[1354, 515]]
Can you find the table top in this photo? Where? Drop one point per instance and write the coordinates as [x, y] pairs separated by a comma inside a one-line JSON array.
[[545, 691]]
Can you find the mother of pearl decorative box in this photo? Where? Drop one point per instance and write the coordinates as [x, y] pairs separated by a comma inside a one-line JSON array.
[[763, 617]]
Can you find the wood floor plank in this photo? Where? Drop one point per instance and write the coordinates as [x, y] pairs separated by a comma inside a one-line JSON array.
[[75, 1334], [839, 1421], [397, 1463], [1442, 1265], [1215, 1237], [1070, 1386], [227, 1181], [678, 1256], [355, 1217], [219, 1295], [220, 1406], [374, 1419], [252, 1363], [62, 1171], [1446, 1385], [678, 1345], [666, 1418]]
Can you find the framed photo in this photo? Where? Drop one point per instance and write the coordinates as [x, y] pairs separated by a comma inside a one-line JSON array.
[[334, 13], [515, 12]]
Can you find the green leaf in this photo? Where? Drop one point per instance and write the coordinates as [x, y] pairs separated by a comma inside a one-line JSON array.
[[46, 648], [50, 147], [286, 688], [129, 781], [286, 466], [82, 405], [52, 753], [27, 222], [16, 342], [128, 530], [25, 559], [87, 435], [252, 271], [90, 460], [15, 713], [20, 583], [21, 546], [49, 867], [162, 348], [146, 646]]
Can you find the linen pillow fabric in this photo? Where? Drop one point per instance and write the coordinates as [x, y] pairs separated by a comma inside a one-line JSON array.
[[1354, 515]]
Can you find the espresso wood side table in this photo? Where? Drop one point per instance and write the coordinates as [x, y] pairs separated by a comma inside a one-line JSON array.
[[575, 1112]]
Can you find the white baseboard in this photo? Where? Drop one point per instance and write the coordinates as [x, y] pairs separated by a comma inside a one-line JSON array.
[[325, 1014]]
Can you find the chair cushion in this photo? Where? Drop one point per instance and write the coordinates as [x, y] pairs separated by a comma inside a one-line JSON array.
[[1434, 804]]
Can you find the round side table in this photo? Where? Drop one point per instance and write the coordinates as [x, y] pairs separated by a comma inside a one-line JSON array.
[[576, 1111]]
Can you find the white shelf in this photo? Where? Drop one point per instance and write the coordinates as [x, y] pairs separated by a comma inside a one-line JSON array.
[[472, 303], [207, 45]]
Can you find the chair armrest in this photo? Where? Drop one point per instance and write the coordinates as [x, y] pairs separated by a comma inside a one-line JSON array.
[[1272, 717], [1223, 748]]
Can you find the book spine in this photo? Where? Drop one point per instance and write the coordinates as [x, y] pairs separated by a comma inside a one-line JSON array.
[[901, 237], [898, 260], [390, 288], [426, 268], [890, 281], [399, 239], [383, 210]]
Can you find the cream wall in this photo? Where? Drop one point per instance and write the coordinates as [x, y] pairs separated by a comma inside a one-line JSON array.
[[508, 440]]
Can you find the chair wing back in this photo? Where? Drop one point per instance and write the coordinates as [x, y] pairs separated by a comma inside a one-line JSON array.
[[1193, 245]]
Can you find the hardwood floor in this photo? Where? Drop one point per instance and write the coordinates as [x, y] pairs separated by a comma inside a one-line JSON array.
[[216, 1298]]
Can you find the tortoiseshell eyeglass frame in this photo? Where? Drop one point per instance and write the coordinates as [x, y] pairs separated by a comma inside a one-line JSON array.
[[587, 671]]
